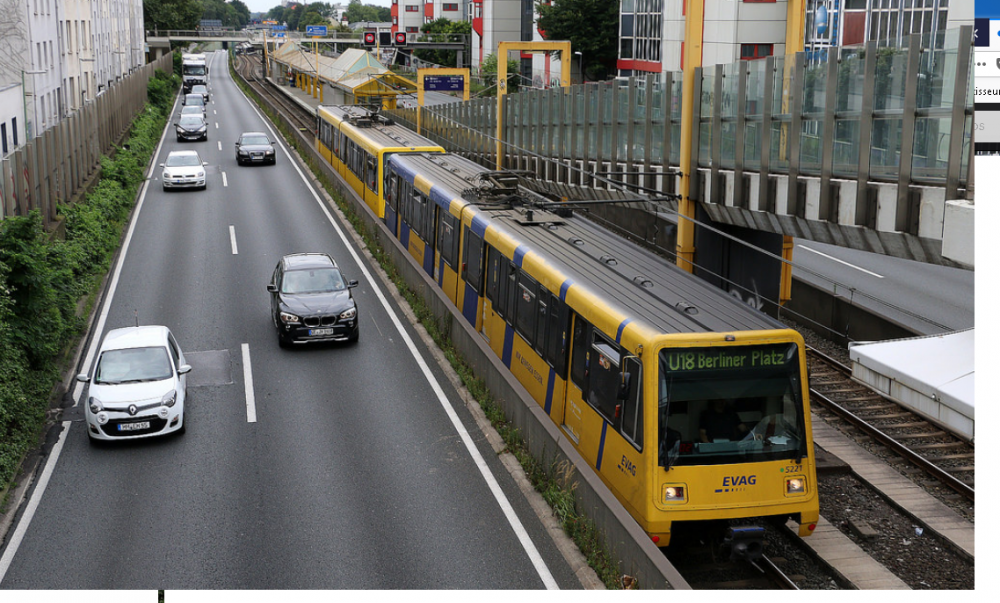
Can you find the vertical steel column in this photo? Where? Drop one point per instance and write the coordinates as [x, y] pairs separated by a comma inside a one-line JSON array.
[[647, 141], [908, 213], [866, 212], [668, 126], [615, 111], [630, 177], [588, 97], [716, 151], [795, 136], [574, 117], [536, 146], [563, 96], [741, 124], [552, 126], [828, 204], [694, 189], [959, 105], [765, 201], [599, 129]]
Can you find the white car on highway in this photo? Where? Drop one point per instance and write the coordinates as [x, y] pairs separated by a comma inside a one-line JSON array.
[[138, 386], [184, 169]]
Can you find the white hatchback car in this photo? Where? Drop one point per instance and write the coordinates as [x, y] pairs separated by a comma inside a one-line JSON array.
[[138, 387], [184, 169]]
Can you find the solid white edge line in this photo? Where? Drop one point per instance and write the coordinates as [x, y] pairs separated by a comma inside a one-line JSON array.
[[248, 385], [494, 486], [29, 511], [848, 264], [50, 464], [232, 239]]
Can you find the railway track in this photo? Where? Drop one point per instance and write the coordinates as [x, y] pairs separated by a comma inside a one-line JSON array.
[[251, 70], [929, 446]]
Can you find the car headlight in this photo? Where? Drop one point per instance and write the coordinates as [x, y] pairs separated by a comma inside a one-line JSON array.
[[288, 318], [271, 152], [349, 313], [169, 398], [203, 128], [95, 405], [200, 174], [243, 153]]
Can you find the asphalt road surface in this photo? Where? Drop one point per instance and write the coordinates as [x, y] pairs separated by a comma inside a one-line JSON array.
[[336, 467]]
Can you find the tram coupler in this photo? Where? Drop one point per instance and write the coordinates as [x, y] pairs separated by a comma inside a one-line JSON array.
[[744, 543]]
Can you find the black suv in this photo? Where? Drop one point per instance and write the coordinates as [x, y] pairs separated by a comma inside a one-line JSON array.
[[311, 300]]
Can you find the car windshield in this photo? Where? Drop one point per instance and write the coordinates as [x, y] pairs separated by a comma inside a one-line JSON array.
[[321, 280], [183, 160], [255, 140], [194, 70], [199, 89], [194, 99], [133, 365], [190, 111], [192, 120]]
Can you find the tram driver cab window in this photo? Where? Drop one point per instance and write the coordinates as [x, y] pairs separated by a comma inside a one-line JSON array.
[[730, 412]]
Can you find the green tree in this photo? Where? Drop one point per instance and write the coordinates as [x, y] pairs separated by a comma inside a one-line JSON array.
[[172, 14], [312, 18], [591, 26], [490, 68], [368, 12], [294, 16], [445, 58]]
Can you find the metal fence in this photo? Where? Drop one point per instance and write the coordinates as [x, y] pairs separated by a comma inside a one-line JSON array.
[[900, 114], [54, 166]]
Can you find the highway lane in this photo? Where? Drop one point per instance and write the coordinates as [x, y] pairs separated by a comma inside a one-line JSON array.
[[352, 474], [926, 298]]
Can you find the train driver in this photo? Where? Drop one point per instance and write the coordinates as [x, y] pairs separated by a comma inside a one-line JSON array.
[[720, 422]]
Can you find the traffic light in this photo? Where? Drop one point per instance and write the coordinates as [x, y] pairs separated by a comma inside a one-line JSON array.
[[385, 38], [369, 39], [399, 38]]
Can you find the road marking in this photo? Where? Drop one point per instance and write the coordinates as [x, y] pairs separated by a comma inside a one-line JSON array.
[[224, 181], [53, 457], [220, 145], [830, 257], [216, 125], [515, 523], [232, 238], [248, 385], [29, 511]]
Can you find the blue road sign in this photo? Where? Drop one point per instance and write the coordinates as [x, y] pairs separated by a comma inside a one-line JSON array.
[[315, 30], [446, 83]]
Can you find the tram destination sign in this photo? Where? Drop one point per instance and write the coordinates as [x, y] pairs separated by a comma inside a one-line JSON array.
[[733, 358], [444, 83]]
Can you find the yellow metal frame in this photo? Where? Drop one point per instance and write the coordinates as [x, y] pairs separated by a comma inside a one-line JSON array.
[[464, 72], [505, 47]]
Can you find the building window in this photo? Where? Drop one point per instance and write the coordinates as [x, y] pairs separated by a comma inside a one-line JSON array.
[[412, 29], [749, 52], [453, 6], [412, 8], [3, 135]]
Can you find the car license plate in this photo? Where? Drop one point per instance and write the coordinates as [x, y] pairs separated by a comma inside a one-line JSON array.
[[316, 332], [133, 426]]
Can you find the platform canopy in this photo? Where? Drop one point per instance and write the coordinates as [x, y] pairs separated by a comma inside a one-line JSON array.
[[356, 71]]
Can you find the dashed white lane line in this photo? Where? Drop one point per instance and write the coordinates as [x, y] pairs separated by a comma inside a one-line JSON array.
[[232, 239], [248, 385], [220, 145]]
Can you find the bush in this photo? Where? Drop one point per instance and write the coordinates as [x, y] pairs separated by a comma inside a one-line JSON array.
[[42, 279]]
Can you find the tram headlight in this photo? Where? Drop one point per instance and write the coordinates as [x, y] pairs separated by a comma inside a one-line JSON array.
[[795, 486], [674, 493]]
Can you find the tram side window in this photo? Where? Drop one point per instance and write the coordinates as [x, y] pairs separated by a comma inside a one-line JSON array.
[[526, 291], [557, 335], [448, 237], [493, 276], [371, 174], [417, 223], [605, 377], [472, 263], [581, 348], [391, 182], [631, 426]]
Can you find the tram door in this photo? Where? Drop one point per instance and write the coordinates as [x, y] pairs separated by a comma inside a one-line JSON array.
[[572, 422]]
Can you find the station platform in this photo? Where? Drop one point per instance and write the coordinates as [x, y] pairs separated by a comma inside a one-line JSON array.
[[933, 376]]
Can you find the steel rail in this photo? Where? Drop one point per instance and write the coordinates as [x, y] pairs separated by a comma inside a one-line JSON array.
[[928, 467], [773, 573]]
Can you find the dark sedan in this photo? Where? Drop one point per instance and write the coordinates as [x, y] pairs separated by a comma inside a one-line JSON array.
[[311, 300], [191, 127], [254, 147]]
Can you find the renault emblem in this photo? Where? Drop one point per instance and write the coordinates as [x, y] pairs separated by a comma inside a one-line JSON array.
[[132, 409]]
